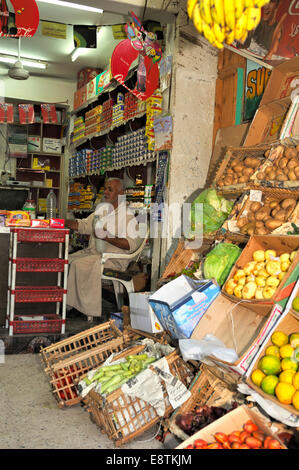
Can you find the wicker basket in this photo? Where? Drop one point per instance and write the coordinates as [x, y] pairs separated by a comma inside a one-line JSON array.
[[69, 359], [123, 417], [206, 389], [239, 153]]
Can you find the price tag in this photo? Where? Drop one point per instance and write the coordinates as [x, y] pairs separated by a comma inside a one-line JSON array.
[[255, 195]]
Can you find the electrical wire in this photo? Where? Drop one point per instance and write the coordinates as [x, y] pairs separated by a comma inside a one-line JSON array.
[[7, 150]]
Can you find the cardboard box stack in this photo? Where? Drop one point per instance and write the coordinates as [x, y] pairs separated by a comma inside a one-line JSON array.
[[93, 121]]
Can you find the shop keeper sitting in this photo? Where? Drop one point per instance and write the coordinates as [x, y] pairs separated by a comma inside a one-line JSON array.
[[112, 228]]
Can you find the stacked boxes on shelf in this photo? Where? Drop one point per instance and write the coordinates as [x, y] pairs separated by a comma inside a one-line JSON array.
[[118, 110], [90, 162], [79, 129], [106, 115], [93, 121], [133, 106], [153, 110], [80, 198], [131, 149], [77, 162]]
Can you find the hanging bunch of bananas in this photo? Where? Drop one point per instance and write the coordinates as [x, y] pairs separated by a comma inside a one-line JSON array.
[[225, 21]]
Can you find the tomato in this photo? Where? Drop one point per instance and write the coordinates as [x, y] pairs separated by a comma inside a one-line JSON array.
[[200, 444]]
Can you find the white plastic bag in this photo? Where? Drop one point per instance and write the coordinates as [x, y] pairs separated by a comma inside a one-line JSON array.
[[209, 345]]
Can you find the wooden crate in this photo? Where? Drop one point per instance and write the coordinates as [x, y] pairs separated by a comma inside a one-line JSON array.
[[184, 258], [276, 194], [122, 417], [206, 389], [239, 153], [78, 343]]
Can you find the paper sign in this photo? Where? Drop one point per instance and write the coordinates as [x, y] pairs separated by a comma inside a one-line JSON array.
[[54, 30]]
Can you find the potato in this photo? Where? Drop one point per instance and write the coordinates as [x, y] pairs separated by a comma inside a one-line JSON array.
[[271, 175], [255, 206], [244, 179], [292, 176], [290, 152], [267, 153], [287, 203], [260, 175], [259, 224], [292, 164], [272, 224], [282, 177], [283, 162], [261, 231], [280, 215], [296, 171], [239, 168], [251, 217], [228, 181], [252, 162], [268, 169], [273, 204], [234, 162], [242, 221], [261, 213]]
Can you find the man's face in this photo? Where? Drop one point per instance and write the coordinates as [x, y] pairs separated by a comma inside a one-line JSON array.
[[269, 11], [111, 192]]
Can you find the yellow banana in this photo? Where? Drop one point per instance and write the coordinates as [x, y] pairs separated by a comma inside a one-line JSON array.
[[239, 8], [248, 3], [253, 18], [229, 36], [241, 26], [217, 11], [217, 44], [190, 7], [197, 20], [229, 13], [260, 3], [243, 38], [219, 32], [208, 32], [205, 12]]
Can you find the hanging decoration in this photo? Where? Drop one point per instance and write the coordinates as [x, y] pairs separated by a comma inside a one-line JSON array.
[[26, 21], [85, 36], [141, 45], [225, 21]]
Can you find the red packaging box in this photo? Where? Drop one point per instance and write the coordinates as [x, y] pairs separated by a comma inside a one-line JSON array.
[[57, 223]]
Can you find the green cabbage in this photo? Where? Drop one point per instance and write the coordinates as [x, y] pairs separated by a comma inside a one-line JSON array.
[[220, 260], [215, 211]]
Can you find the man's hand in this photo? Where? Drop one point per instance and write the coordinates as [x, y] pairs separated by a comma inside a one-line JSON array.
[[121, 243], [72, 224]]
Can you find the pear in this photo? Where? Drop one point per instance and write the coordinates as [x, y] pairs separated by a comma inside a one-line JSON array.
[[284, 266], [260, 281], [259, 293], [272, 281], [239, 274], [249, 267], [249, 290], [292, 255], [259, 255], [270, 254], [273, 267], [284, 257], [238, 291], [231, 284], [268, 292]]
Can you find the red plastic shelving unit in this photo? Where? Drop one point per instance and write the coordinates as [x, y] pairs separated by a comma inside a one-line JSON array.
[[49, 323]]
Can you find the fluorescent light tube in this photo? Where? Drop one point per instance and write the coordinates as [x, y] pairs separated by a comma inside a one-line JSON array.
[[76, 53], [72, 5], [26, 63]]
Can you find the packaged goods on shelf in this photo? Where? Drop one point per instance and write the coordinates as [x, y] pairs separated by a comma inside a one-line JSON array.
[[131, 149], [118, 114], [153, 110]]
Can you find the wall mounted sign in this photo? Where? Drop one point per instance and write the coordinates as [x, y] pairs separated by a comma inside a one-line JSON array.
[[54, 30], [257, 78], [26, 18]]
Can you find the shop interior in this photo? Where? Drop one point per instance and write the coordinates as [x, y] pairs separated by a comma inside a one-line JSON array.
[[196, 345]]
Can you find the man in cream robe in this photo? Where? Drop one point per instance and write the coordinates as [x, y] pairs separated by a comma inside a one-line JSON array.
[[115, 232]]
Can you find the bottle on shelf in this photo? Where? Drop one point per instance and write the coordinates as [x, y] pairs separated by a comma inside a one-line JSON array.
[[30, 207], [51, 205]]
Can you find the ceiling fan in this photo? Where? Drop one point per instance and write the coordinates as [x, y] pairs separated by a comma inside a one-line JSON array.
[[17, 71]]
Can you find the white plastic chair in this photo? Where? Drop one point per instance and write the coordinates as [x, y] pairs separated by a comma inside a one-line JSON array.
[[118, 284]]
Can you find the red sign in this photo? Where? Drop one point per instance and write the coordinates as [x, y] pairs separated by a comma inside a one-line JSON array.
[[26, 18], [122, 57]]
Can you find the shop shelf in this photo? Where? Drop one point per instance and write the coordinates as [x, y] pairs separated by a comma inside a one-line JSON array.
[[40, 264], [38, 294], [40, 235], [51, 323]]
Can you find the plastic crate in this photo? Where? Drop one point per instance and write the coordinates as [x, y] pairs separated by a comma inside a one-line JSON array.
[[51, 323], [40, 264], [40, 235], [38, 294], [123, 417]]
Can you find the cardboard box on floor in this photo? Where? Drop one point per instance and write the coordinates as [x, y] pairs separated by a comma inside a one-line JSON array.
[[233, 421], [239, 328], [288, 324], [142, 315], [282, 244]]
